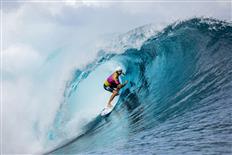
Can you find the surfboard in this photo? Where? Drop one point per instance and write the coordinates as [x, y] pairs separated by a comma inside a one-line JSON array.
[[107, 110]]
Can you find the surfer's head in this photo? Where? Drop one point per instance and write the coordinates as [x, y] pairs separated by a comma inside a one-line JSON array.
[[119, 70]]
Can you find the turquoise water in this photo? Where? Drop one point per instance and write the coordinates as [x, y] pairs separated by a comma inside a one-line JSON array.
[[178, 100]]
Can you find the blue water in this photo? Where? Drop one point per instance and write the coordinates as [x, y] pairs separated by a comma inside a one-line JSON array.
[[178, 100]]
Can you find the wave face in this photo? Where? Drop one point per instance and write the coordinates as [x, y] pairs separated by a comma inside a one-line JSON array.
[[178, 99]]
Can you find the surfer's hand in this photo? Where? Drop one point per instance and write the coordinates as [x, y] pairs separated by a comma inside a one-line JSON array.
[[125, 82], [120, 86]]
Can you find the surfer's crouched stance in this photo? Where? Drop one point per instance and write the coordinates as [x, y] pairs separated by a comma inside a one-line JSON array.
[[113, 85]]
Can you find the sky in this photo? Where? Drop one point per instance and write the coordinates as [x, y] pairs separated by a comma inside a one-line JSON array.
[[44, 26], [43, 41]]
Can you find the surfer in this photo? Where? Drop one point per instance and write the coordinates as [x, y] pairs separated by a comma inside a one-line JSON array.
[[113, 85]]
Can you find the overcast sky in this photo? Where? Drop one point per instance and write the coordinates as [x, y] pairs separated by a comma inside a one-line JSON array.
[[45, 26]]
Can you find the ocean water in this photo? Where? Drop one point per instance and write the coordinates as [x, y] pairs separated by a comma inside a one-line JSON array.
[[178, 99]]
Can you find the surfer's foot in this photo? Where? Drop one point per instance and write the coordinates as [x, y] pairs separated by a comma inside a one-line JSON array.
[[109, 105]]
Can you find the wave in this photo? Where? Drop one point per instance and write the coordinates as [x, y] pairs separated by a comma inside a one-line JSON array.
[[178, 97]]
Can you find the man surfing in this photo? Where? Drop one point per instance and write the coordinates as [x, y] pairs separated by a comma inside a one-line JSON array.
[[113, 85]]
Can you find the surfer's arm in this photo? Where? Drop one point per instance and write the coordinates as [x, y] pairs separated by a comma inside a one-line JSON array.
[[122, 85], [120, 79], [116, 79], [125, 83]]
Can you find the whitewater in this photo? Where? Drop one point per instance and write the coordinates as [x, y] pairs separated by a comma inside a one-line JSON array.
[[178, 99]]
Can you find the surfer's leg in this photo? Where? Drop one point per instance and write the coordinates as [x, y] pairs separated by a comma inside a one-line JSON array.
[[115, 93], [108, 88]]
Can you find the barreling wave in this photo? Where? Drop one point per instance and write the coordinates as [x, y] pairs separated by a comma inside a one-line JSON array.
[[178, 99]]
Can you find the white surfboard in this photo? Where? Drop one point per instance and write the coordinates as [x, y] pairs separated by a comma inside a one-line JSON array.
[[107, 110]]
